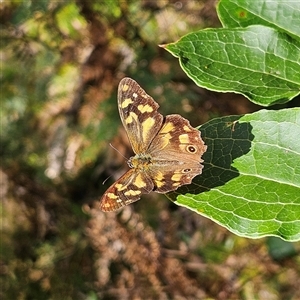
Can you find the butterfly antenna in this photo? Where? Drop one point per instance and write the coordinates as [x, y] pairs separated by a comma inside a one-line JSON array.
[[120, 154], [106, 180], [118, 151]]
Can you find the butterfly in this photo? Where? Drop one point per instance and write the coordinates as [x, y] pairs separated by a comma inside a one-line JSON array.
[[167, 149]]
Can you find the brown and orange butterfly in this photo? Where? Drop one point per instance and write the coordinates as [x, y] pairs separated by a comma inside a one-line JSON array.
[[168, 149]]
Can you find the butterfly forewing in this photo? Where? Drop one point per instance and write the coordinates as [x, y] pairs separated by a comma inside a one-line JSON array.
[[127, 189], [139, 115]]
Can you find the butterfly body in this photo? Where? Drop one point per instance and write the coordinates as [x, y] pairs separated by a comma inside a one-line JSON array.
[[168, 149], [141, 162]]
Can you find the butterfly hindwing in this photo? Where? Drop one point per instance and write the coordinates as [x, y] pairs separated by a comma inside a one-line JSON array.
[[178, 140], [176, 154]]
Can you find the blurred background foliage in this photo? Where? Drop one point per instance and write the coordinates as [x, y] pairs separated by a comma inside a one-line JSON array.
[[61, 62]]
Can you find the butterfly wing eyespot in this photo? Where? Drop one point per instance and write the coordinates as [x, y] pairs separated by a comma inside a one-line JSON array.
[[191, 149]]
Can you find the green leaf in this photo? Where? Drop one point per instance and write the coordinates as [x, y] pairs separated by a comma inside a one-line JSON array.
[[283, 15], [258, 62], [251, 177]]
